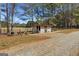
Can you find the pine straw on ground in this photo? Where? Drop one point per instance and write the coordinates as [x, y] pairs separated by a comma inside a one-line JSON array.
[[9, 41]]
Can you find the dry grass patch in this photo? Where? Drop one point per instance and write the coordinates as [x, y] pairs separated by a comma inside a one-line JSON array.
[[9, 41], [67, 31]]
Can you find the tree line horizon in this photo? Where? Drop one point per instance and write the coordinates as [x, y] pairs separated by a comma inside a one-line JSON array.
[[63, 15]]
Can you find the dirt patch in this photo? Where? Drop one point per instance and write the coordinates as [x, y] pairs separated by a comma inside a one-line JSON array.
[[67, 31], [9, 41]]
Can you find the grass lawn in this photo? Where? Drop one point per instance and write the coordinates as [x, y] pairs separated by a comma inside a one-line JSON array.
[[9, 41]]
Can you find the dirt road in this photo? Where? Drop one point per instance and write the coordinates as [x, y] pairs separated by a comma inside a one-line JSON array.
[[59, 44]]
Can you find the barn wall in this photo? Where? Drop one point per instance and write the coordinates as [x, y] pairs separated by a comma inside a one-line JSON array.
[[42, 30], [48, 29], [34, 29]]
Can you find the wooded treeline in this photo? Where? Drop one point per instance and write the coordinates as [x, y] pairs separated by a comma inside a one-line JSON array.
[[57, 14]]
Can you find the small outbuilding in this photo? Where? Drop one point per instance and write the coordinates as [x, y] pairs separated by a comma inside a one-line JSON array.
[[41, 28]]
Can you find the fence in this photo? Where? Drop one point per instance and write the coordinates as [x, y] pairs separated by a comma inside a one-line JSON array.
[[4, 30]]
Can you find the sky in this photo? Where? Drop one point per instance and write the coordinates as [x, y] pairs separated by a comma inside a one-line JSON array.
[[19, 10], [16, 19]]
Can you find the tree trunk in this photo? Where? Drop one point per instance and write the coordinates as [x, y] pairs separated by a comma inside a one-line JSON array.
[[0, 18], [12, 15], [7, 18]]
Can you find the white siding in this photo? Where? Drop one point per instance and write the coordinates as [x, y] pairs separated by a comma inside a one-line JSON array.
[[48, 29], [42, 30]]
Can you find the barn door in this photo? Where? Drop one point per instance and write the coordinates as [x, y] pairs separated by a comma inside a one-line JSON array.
[[38, 28]]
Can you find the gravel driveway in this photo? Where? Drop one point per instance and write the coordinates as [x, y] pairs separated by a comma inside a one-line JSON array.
[[59, 44]]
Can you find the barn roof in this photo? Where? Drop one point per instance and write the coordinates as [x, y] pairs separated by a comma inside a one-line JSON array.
[[44, 23]]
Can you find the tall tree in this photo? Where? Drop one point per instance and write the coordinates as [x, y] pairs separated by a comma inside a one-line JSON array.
[[12, 15], [0, 18], [7, 18]]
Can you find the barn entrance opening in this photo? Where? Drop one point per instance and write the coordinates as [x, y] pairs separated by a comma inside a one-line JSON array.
[[38, 28]]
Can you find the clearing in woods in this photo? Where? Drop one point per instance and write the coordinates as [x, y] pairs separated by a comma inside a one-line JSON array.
[[61, 42]]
